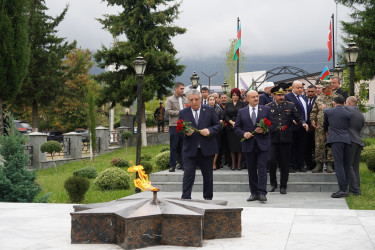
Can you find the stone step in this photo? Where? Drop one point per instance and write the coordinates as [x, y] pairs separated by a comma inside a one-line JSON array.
[[240, 176], [244, 187]]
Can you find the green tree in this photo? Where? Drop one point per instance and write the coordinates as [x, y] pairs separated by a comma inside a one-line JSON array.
[[17, 184], [14, 50], [362, 29], [148, 29], [230, 66], [46, 75]]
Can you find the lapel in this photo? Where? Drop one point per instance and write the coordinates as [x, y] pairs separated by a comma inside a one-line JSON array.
[[260, 113], [248, 111], [201, 115], [190, 116]]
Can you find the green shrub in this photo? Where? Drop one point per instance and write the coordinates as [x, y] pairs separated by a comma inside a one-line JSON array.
[[371, 163], [366, 152], [164, 149], [126, 135], [150, 121], [146, 157], [77, 187], [119, 162], [113, 178], [369, 141], [162, 160], [147, 166], [88, 172], [51, 147]]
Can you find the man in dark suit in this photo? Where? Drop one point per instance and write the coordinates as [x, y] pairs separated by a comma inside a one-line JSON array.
[[266, 97], [199, 147], [283, 114], [310, 137], [336, 86], [336, 122], [205, 92], [254, 147], [299, 133], [353, 152]]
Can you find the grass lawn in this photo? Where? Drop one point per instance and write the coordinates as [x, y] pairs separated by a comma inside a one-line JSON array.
[[53, 183], [366, 201]]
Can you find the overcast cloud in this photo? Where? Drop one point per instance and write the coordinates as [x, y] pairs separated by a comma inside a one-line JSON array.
[[269, 27]]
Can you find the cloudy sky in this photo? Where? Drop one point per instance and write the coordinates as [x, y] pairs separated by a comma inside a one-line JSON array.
[[269, 27]]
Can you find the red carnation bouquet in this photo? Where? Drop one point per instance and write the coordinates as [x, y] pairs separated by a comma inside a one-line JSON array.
[[265, 124], [283, 128], [185, 127], [223, 124]]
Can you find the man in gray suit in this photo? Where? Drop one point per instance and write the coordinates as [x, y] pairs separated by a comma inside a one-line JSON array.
[[336, 122], [353, 151]]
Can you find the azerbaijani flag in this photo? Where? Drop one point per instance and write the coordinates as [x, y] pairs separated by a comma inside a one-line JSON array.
[[329, 43], [325, 73], [238, 44]]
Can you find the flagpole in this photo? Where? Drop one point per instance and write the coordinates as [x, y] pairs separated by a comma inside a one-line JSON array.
[[238, 59], [333, 40]]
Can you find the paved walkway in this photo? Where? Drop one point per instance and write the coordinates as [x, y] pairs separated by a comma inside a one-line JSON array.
[[292, 221]]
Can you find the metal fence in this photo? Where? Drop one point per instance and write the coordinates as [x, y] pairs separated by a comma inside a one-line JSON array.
[[65, 147], [370, 115], [114, 138], [86, 146], [29, 152]]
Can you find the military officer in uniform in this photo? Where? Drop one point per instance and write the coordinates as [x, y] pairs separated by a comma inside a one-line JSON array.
[[324, 100], [283, 114]]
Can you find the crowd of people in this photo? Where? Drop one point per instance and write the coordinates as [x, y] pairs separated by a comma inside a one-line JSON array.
[[310, 128]]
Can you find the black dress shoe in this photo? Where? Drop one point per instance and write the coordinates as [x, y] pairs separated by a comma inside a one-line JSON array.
[[292, 170], [172, 169], [340, 194], [303, 169], [262, 197], [272, 188], [179, 166], [252, 198], [282, 190], [208, 198]]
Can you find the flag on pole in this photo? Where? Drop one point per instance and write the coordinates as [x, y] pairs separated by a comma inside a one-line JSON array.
[[238, 44], [325, 73], [329, 42]]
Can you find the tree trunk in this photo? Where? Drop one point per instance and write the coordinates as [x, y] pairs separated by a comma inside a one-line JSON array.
[[35, 116], [1, 117], [144, 135]]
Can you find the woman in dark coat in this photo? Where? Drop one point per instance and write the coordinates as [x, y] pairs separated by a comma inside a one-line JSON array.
[[220, 114], [230, 115]]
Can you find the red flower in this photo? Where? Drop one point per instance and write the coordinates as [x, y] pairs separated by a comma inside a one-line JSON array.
[[283, 128], [267, 122], [185, 127], [179, 127], [187, 105]]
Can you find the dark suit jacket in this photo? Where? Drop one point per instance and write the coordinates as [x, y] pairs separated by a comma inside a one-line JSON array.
[[290, 97], [207, 119], [336, 122], [356, 123], [284, 116], [342, 92], [244, 124], [265, 99]]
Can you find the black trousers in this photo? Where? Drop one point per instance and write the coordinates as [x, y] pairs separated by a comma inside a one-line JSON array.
[[338, 151], [297, 160], [279, 154], [352, 157], [310, 150], [205, 163], [160, 126]]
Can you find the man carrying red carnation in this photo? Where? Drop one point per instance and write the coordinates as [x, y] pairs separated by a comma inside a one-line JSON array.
[[283, 115]]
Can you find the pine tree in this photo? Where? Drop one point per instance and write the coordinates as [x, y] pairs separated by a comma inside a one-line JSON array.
[[148, 30], [46, 75], [17, 184], [362, 29], [14, 50]]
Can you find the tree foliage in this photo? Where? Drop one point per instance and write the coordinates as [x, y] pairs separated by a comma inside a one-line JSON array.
[[14, 49], [362, 30], [148, 27], [230, 66], [46, 75], [17, 184]]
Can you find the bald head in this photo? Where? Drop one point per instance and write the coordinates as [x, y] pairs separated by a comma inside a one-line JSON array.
[[252, 98], [297, 87], [351, 101]]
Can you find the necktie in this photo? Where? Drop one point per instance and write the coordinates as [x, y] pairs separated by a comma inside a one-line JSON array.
[[303, 110], [253, 116], [196, 117]]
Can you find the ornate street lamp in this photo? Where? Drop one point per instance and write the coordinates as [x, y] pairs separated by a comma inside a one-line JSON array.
[[338, 71], [139, 67], [225, 87], [351, 55], [194, 80]]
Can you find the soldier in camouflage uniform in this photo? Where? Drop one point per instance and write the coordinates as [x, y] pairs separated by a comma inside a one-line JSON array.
[[324, 100]]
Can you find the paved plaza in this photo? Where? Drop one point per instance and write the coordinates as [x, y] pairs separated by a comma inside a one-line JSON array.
[[291, 221]]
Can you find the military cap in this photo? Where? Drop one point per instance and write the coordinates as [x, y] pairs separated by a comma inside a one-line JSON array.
[[278, 90], [325, 83]]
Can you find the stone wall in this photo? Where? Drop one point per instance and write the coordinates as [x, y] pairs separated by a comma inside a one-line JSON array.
[[368, 130]]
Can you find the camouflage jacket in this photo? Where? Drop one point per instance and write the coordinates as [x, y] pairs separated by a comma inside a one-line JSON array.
[[317, 114]]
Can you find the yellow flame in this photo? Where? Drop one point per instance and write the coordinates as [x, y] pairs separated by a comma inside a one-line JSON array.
[[142, 182]]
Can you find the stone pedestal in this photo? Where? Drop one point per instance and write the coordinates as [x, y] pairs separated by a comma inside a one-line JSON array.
[[103, 134], [36, 141], [75, 145], [127, 121], [128, 142]]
